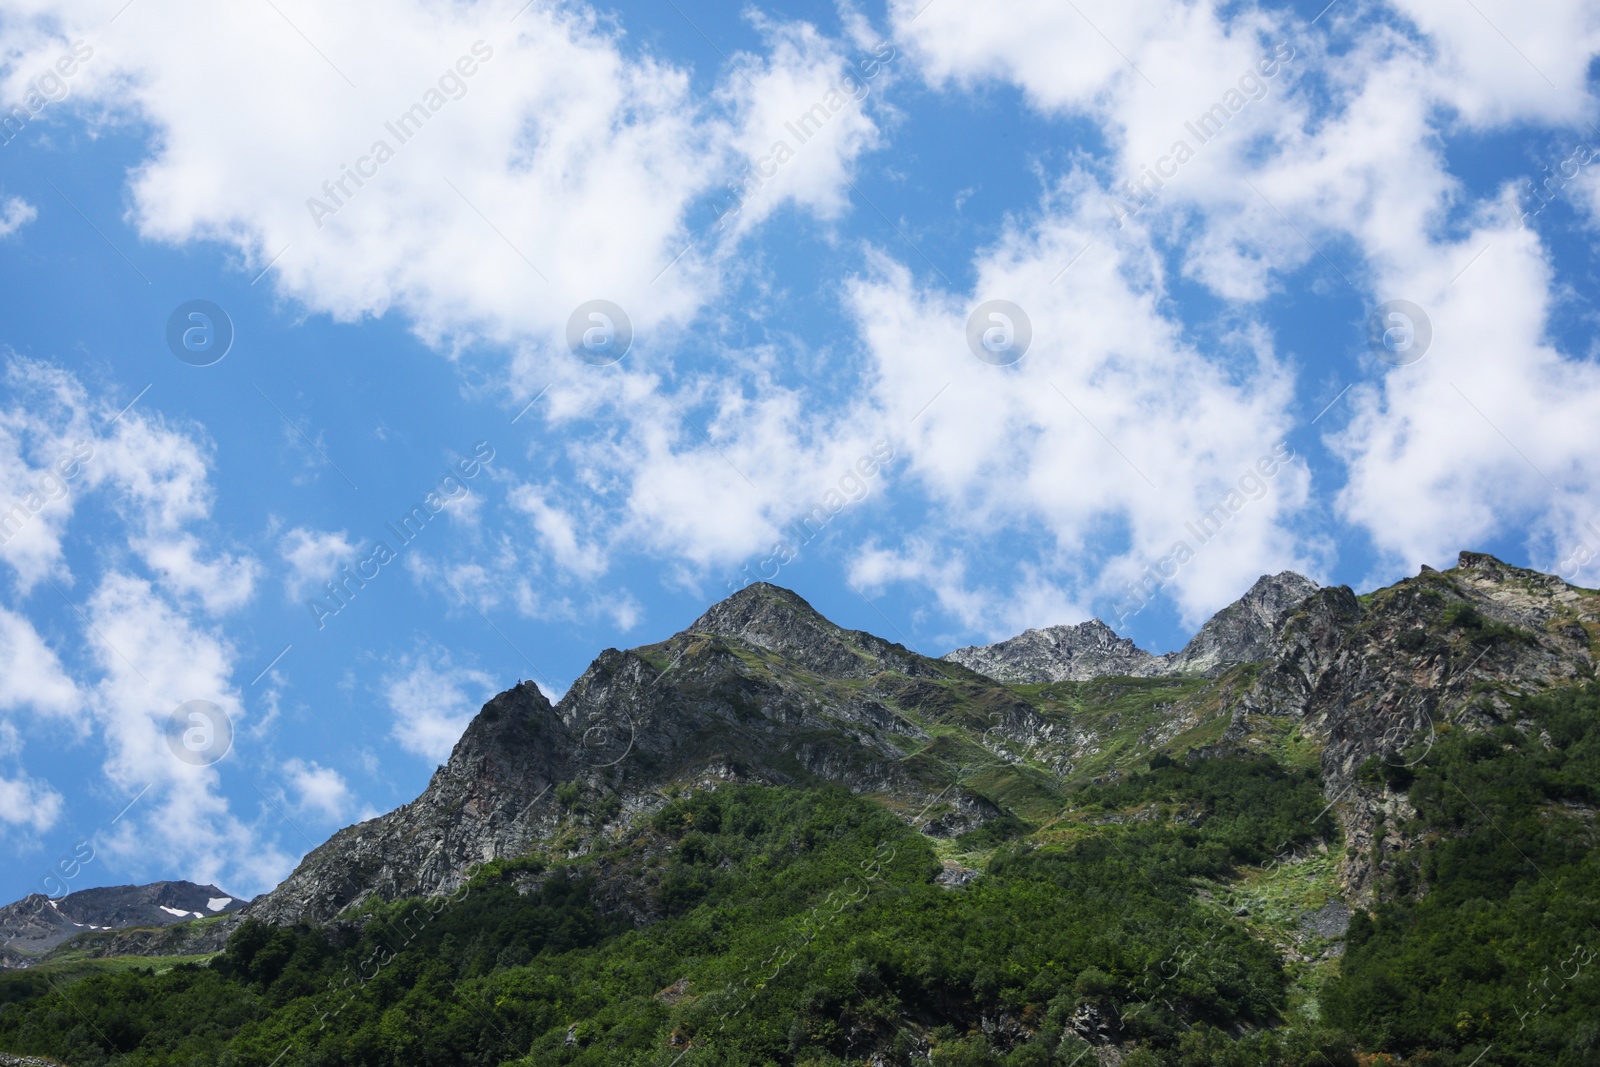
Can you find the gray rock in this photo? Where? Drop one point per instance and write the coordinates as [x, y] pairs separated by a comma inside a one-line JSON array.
[[1330, 920], [954, 876], [759, 689], [1056, 654], [1242, 632]]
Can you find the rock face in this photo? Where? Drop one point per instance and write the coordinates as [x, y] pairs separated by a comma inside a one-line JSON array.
[[1376, 675], [36, 924], [760, 689], [763, 689], [1242, 632], [1056, 654]]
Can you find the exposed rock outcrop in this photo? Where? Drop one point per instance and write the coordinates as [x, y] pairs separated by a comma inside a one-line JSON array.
[[1056, 654], [760, 689], [1242, 632]]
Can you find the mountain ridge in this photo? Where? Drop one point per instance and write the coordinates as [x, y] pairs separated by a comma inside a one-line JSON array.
[[762, 689], [1239, 633], [33, 926]]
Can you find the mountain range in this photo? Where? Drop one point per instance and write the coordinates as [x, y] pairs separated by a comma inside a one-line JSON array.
[[987, 744], [762, 688]]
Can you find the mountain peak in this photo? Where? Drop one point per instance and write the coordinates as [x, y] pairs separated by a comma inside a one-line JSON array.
[[1056, 654], [1240, 633], [36, 924], [755, 609], [780, 621]]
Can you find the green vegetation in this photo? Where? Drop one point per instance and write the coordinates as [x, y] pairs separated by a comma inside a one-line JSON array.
[[1161, 909], [802, 928], [1500, 948]]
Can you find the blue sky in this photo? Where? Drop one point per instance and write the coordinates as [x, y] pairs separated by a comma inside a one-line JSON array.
[[387, 332]]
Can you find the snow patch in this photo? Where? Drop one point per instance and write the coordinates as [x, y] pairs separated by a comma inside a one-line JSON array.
[[218, 903], [179, 912]]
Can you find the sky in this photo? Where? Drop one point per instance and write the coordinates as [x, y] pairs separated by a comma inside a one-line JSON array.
[[360, 360]]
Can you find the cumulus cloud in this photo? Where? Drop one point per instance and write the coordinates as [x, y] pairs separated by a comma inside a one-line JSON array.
[[29, 803], [34, 677], [58, 442], [1119, 426], [152, 658], [803, 119], [1111, 416], [1480, 438]]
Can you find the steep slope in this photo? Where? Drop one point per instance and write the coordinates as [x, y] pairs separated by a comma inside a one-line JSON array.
[[1380, 675], [36, 924], [760, 689], [1242, 632]]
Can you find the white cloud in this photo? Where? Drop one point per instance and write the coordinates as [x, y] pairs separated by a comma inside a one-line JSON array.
[[47, 443], [803, 121], [58, 443], [223, 584], [153, 658], [557, 532], [1432, 450], [29, 803], [1111, 417], [977, 606], [318, 790], [454, 231], [15, 213], [314, 556], [450, 220], [33, 677], [433, 700]]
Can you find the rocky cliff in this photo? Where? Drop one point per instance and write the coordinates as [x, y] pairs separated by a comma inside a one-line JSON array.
[[1057, 654], [1377, 675], [761, 688]]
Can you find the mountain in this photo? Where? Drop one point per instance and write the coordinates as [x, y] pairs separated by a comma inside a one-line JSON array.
[[761, 688], [1073, 653], [34, 925], [1242, 632], [1332, 828]]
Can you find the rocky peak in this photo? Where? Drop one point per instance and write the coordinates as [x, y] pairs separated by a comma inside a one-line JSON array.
[[1056, 654], [1242, 632], [760, 688], [780, 621], [1380, 674]]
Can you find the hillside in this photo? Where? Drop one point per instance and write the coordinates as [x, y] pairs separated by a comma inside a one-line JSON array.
[[768, 839]]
